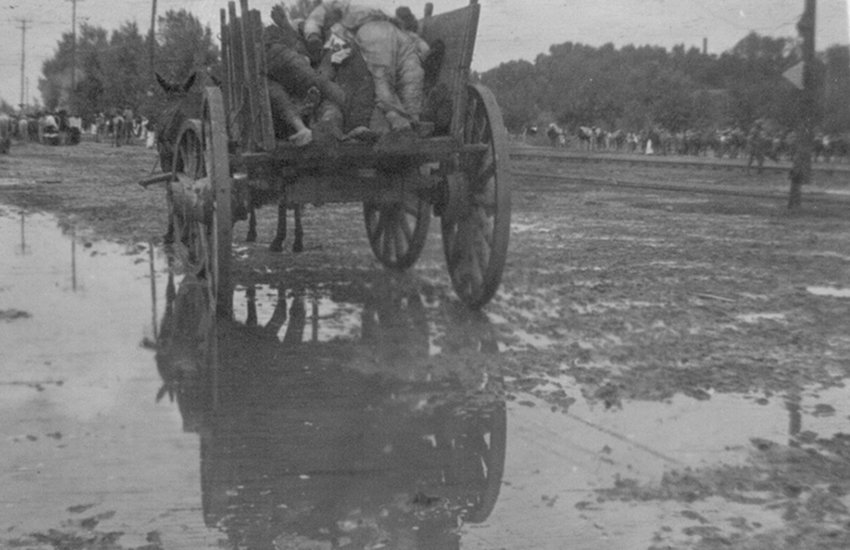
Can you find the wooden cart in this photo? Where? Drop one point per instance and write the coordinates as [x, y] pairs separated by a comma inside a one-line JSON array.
[[463, 176]]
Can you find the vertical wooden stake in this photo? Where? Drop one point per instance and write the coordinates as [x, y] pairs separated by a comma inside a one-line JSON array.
[[801, 172]]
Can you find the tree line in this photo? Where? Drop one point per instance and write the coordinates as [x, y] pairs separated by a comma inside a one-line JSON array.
[[631, 88], [634, 88], [113, 69]]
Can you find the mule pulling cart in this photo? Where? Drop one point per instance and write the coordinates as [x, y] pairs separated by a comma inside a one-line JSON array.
[[460, 174]]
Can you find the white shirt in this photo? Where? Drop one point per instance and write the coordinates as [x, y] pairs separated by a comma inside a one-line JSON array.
[[351, 14]]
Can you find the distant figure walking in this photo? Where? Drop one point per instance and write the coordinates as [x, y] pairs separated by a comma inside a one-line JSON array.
[[117, 130]]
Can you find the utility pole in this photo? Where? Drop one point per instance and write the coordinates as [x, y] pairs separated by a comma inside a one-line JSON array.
[[73, 53], [152, 38], [801, 172], [23, 27]]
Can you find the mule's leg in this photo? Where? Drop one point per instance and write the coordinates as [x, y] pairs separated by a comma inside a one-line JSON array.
[[251, 299], [168, 238], [279, 314], [298, 243], [252, 222], [280, 235]]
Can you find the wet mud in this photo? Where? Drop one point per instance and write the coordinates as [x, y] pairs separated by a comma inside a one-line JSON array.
[[656, 372]]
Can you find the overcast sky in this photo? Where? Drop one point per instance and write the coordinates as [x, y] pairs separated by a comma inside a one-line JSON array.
[[509, 29]]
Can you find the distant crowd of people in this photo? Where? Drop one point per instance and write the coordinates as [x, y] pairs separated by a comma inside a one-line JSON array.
[[49, 128], [119, 127], [763, 139]]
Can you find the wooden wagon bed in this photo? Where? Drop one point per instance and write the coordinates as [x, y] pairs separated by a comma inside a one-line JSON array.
[[461, 176]]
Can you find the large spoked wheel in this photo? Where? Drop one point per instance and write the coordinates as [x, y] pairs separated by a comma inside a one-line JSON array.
[[185, 208], [397, 231], [217, 166], [199, 201], [476, 224]]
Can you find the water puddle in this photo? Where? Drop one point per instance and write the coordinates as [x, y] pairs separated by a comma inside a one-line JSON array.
[[366, 413], [610, 470], [828, 291], [76, 390], [753, 318], [5, 182]]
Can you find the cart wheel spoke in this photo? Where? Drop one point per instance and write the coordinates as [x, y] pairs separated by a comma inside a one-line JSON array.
[[404, 225], [387, 246], [487, 171], [471, 115], [379, 224], [481, 131], [400, 239]]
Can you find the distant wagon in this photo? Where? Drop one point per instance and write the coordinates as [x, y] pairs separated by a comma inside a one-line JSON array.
[[460, 174]]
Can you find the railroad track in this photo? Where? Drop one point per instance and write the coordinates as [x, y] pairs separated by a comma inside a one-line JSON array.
[[544, 154], [702, 189]]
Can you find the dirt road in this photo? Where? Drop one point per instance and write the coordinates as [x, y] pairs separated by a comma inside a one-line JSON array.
[[657, 371]]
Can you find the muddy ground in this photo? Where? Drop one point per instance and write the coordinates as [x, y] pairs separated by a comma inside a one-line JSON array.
[[613, 303]]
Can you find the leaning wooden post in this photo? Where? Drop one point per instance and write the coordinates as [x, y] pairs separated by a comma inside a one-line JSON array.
[[801, 172]]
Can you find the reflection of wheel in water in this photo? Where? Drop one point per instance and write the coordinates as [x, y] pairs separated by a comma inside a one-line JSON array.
[[397, 231], [475, 442], [476, 229]]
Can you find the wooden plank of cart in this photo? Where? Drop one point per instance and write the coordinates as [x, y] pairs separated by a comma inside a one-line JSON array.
[[462, 176]]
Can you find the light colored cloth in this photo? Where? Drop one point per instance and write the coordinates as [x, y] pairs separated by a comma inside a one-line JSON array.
[[351, 14], [338, 45], [392, 56]]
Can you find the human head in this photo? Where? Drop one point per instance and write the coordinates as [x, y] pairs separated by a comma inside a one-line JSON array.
[[407, 19]]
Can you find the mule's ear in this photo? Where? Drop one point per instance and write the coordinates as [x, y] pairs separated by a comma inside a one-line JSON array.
[[189, 82], [168, 87], [161, 393]]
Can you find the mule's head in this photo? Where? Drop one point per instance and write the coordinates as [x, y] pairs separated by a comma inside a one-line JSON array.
[[183, 101]]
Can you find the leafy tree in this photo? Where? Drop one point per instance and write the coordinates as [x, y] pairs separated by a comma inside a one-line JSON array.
[[184, 46], [633, 87], [125, 64], [6, 107], [836, 89], [113, 71], [513, 82], [55, 84], [92, 45]]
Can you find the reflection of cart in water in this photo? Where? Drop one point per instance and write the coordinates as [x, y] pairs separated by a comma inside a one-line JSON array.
[[307, 442]]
